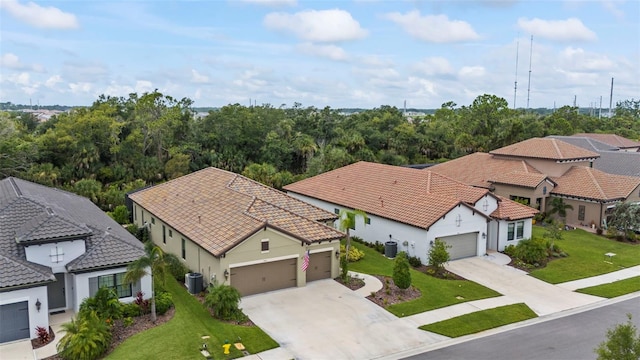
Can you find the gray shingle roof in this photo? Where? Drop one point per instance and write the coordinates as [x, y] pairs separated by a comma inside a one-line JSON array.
[[32, 213], [611, 161], [18, 272]]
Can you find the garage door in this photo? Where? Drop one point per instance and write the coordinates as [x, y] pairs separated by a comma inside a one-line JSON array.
[[259, 278], [319, 266], [14, 319], [462, 246]]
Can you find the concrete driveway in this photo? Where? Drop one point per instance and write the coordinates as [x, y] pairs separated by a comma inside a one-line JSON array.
[[325, 320], [543, 298]]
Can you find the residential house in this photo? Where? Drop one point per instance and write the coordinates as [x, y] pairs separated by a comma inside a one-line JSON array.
[[238, 232], [57, 249], [415, 207], [539, 168], [612, 159], [618, 141]]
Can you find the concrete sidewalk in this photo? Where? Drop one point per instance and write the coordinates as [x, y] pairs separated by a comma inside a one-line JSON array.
[[601, 279]]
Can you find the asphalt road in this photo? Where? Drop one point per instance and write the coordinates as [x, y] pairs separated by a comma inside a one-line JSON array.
[[571, 337]]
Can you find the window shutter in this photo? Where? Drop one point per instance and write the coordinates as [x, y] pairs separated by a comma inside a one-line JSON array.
[[93, 286]]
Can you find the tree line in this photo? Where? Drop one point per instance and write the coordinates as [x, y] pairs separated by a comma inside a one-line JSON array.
[[119, 144]]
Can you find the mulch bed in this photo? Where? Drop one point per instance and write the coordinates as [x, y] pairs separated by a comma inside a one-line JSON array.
[[352, 283], [391, 294], [120, 333]]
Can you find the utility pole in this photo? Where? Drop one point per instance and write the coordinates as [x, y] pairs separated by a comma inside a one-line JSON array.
[[529, 84], [611, 99]]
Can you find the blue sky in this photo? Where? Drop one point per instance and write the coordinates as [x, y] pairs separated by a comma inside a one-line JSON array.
[[362, 53]]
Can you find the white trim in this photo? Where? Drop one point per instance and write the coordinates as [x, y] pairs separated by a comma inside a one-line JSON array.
[[315, 251]]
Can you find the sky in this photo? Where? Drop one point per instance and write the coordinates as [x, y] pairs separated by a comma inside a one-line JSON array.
[[342, 54]]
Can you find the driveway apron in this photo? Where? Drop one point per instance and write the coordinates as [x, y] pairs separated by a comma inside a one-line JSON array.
[[325, 320], [543, 298]]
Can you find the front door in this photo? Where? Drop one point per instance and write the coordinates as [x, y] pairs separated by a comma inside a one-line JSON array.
[[56, 293]]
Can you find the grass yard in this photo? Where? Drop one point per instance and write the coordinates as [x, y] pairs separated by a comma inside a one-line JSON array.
[[180, 338], [586, 256], [481, 320], [436, 293], [614, 289]]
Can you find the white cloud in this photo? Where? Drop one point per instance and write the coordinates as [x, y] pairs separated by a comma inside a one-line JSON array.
[[571, 29], [10, 61], [434, 28], [612, 7], [53, 81], [434, 66], [472, 72], [271, 2], [40, 17], [317, 25], [80, 87], [143, 86], [580, 60], [20, 79], [198, 78], [332, 52]]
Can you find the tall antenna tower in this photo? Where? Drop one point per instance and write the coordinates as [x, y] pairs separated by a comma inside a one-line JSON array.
[[515, 83], [529, 84], [611, 99]]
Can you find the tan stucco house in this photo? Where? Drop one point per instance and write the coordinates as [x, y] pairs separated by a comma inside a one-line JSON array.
[[238, 232], [537, 169]]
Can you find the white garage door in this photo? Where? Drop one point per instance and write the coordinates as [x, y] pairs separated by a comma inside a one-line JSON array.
[[462, 246], [14, 321]]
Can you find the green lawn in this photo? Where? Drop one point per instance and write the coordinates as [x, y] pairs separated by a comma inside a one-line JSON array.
[[436, 293], [586, 256], [614, 289], [481, 320], [180, 338]]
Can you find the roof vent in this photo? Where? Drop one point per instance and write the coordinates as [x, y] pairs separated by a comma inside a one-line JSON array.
[[49, 211]]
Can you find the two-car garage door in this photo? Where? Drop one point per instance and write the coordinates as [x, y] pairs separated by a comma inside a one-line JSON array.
[[462, 246], [258, 278], [275, 275], [14, 319]]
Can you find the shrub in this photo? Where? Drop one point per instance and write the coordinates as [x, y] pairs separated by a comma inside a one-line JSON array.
[[354, 253], [510, 250], [175, 266], [120, 214], [379, 247], [415, 261], [438, 254], [127, 321], [163, 302], [532, 251], [104, 303], [401, 273], [43, 334], [224, 300], [132, 229], [599, 231], [86, 337], [131, 310]]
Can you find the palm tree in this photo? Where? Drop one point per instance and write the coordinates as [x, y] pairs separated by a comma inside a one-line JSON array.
[[85, 337], [347, 220], [153, 260], [557, 205]]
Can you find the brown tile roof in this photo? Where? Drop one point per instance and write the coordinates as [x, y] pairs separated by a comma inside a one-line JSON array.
[[611, 139], [410, 196], [545, 148], [217, 209], [588, 183], [511, 210], [481, 169]]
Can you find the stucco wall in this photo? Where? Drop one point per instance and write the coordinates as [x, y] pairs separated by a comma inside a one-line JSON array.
[[413, 240], [550, 167], [41, 254], [32, 295], [502, 228], [539, 192], [82, 286]]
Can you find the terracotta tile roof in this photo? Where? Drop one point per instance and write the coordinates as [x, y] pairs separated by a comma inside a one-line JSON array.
[[410, 196], [545, 148], [217, 209], [611, 139], [511, 210], [588, 183], [481, 169]]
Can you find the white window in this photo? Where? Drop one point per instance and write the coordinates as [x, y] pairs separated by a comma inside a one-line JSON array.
[[264, 246], [57, 254]]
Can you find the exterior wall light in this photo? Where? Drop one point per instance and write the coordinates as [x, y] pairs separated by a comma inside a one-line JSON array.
[[484, 236], [226, 273], [38, 304], [337, 254]]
